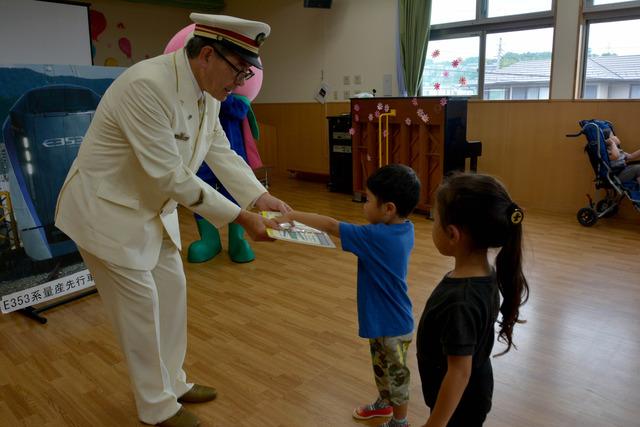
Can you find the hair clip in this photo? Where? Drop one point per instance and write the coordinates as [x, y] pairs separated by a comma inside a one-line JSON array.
[[515, 214]]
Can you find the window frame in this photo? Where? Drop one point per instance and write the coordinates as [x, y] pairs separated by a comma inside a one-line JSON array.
[[484, 25]]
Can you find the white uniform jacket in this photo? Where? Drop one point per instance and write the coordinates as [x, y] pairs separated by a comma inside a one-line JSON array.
[[138, 161]]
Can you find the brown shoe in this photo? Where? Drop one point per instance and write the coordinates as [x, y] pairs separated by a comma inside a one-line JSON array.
[[182, 418], [198, 394]]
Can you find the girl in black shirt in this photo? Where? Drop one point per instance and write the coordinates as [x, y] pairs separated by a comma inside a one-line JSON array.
[[456, 332]]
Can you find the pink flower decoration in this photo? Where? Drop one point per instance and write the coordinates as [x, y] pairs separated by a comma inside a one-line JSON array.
[[420, 112], [436, 86], [377, 114], [352, 131], [356, 117], [407, 121], [425, 118], [455, 63], [386, 108], [356, 107], [443, 101], [463, 81], [435, 53], [414, 102], [385, 133], [445, 73], [370, 117], [380, 106]]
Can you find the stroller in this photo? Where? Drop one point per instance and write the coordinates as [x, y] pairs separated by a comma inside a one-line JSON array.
[[605, 177]]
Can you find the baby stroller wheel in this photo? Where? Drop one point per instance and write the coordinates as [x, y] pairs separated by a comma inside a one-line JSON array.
[[587, 217], [605, 204]]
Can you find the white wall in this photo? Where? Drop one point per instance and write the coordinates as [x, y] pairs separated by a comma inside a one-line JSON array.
[[353, 38], [565, 48]]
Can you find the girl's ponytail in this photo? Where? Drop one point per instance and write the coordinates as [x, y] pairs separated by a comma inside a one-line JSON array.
[[511, 281]]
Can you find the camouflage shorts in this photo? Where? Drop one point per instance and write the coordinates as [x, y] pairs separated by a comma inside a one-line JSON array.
[[389, 357]]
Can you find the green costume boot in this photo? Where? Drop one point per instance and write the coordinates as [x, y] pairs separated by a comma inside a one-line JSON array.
[[239, 249], [209, 244]]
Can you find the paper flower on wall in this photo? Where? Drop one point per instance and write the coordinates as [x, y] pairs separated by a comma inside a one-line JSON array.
[[370, 117], [445, 73], [352, 131], [463, 81], [356, 107], [414, 102], [425, 118], [385, 133], [377, 114], [436, 86], [386, 108], [380, 106], [435, 53], [455, 63], [356, 118], [407, 121], [443, 101], [420, 112]]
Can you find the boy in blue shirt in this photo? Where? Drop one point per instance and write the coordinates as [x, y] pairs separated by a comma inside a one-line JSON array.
[[384, 309]]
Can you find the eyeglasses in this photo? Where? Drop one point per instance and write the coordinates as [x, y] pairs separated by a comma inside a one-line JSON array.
[[241, 75]]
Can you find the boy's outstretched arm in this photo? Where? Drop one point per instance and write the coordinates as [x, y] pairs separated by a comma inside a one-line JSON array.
[[321, 222]]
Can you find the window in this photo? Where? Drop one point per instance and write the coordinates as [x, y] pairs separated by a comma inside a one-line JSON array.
[[504, 50], [591, 92], [445, 11], [599, 2], [519, 58], [451, 67], [612, 59], [635, 91], [510, 7]]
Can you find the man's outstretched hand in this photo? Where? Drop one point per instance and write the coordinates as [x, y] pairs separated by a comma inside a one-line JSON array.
[[256, 225]]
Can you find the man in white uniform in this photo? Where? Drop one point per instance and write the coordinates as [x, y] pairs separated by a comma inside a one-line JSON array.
[[153, 128]]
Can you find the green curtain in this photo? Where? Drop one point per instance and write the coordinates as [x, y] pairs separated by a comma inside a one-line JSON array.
[[415, 16]]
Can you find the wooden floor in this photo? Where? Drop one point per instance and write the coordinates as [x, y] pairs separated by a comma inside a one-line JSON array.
[[278, 336]]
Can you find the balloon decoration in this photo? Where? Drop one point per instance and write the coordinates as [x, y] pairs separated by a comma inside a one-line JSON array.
[[125, 46], [111, 62], [251, 87], [97, 23], [180, 39]]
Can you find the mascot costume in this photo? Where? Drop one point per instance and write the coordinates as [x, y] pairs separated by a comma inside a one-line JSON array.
[[241, 127]]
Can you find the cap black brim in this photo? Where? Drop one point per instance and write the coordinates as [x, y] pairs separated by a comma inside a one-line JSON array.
[[245, 55]]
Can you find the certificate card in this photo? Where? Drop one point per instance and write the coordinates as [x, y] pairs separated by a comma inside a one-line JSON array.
[[299, 233]]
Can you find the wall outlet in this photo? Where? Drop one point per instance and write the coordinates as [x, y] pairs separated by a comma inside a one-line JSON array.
[[347, 94], [357, 79], [346, 80], [386, 85]]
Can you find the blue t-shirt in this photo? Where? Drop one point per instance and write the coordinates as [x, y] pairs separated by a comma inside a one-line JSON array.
[[384, 307]]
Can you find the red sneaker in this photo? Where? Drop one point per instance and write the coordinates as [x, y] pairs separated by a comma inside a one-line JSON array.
[[378, 408]]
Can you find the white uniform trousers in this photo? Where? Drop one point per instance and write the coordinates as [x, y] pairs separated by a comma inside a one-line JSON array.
[[148, 310]]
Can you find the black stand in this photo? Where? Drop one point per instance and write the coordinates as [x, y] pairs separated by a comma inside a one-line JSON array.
[[34, 313]]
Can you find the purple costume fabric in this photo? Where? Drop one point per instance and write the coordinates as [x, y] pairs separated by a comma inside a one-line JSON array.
[[233, 111]]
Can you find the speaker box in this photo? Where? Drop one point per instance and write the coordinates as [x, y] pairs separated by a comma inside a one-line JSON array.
[[324, 4]]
